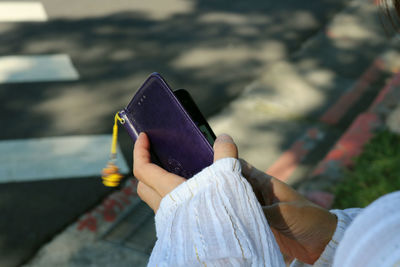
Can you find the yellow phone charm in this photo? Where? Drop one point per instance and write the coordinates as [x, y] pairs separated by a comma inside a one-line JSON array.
[[110, 174]]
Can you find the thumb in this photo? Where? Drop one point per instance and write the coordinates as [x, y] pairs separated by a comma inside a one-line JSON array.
[[224, 147]]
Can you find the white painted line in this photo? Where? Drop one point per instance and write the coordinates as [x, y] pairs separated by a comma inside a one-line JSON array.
[[40, 68], [22, 11], [56, 158]]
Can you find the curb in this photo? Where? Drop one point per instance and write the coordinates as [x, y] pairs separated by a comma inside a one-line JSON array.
[[93, 238], [288, 162], [334, 114], [107, 212], [350, 144]]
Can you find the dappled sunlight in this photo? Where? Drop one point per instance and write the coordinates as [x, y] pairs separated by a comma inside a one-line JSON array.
[[37, 46], [202, 57], [235, 19], [295, 94], [303, 20], [151, 9], [252, 132], [226, 18], [65, 106], [358, 28], [213, 49], [319, 77]]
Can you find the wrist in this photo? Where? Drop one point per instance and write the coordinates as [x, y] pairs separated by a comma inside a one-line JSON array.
[[342, 222]]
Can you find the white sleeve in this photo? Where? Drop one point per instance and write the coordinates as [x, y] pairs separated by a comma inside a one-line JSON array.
[[214, 219], [344, 217]]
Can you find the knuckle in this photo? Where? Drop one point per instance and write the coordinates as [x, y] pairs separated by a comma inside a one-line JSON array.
[[225, 148], [140, 190], [136, 172]]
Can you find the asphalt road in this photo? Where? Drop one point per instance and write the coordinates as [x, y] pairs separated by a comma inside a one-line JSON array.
[[212, 48]]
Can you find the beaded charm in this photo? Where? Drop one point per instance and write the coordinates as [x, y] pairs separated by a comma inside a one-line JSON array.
[[110, 174]]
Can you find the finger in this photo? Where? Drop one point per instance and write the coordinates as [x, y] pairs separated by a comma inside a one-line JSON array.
[[284, 216], [283, 192], [273, 189], [260, 182], [152, 175], [224, 147], [148, 195], [246, 168], [251, 172], [141, 150], [274, 215]]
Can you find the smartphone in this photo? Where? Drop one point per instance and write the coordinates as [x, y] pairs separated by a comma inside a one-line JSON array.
[[180, 137], [194, 112]]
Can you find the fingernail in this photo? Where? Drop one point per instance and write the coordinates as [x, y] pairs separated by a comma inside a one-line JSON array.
[[225, 138], [140, 136]]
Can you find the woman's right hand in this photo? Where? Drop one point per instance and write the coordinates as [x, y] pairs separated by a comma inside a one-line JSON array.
[[302, 229]]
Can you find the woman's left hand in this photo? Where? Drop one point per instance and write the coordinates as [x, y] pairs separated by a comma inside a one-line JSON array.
[[154, 181]]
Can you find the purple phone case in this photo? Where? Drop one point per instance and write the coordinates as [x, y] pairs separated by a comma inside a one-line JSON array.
[[175, 139]]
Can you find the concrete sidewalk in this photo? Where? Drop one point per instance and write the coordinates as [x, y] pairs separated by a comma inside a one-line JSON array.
[[91, 240], [293, 95]]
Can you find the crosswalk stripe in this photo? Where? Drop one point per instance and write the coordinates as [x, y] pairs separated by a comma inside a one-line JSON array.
[[22, 11], [36, 68], [56, 158]]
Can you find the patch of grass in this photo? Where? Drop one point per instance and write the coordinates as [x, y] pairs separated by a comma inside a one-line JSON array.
[[376, 172]]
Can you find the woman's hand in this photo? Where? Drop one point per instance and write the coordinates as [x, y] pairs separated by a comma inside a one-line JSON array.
[[301, 228], [155, 182]]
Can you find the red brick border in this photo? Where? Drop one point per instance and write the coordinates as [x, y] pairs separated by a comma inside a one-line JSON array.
[[350, 144], [284, 167], [334, 114], [352, 141], [109, 209], [288, 162]]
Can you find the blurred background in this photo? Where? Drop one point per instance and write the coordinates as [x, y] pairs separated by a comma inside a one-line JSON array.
[[287, 79]]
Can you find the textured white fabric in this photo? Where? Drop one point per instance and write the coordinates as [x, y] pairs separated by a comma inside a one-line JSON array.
[[214, 219], [344, 218], [373, 239], [367, 237]]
